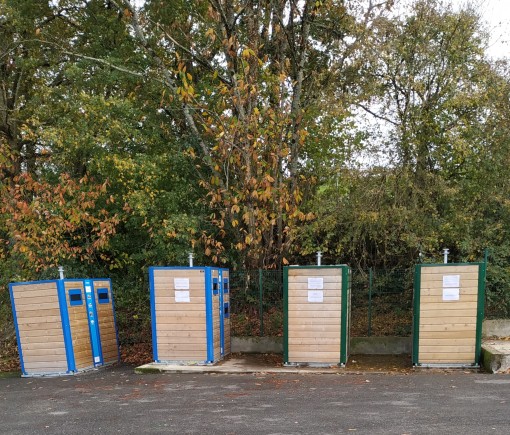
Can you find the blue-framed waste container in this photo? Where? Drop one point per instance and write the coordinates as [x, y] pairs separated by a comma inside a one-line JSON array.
[[190, 314], [64, 326]]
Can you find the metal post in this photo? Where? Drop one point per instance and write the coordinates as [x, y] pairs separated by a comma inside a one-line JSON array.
[[261, 304], [319, 257], [61, 271], [370, 283], [190, 256], [446, 251]]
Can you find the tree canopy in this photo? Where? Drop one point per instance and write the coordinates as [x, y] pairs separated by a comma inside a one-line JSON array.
[[252, 133]]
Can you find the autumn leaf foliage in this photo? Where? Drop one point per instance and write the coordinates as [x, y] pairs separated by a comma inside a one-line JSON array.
[[46, 224]]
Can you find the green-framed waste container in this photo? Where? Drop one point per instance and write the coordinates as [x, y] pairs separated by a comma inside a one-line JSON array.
[[448, 314], [316, 315]]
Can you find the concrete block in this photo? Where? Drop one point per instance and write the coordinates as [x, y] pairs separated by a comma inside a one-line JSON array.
[[496, 356], [380, 345], [358, 345], [496, 328], [257, 344]]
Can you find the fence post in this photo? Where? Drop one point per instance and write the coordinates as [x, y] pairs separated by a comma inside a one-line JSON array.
[[370, 283], [261, 305]]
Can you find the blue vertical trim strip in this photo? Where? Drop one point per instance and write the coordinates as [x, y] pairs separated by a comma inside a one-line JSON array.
[[152, 289], [222, 314], [66, 326], [92, 319], [114, 318], [209, 314], [20, 350], [98, 330]]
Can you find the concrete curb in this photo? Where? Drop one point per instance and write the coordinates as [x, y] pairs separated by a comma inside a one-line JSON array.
[[233, 369]]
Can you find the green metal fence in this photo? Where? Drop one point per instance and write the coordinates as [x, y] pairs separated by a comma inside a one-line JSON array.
[[381, 302], [256, 300]]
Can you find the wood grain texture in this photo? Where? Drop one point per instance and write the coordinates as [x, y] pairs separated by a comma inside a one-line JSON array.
[[447, 329], [107, 329], [40, 327], [308, 321], [79, 326]]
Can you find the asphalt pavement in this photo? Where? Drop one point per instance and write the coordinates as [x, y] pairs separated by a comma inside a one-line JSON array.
[[116, 400]]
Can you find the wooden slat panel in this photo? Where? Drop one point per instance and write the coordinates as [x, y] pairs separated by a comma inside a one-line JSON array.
[[30, 312], [32, 290], [438, 292], [50, 333], [466, 279], [40, 321], [438, 298], [447, 357], [323, 272], [178, 306], [45, 367], [469, 320], [56, 357], [450, 270], [183, 356], [446, 342], [452, 306], [194, 351], [46, 345], [196, 298], [40, 302], [452, 333], [448, 314]]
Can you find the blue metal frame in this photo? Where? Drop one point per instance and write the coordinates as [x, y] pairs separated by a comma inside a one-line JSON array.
[[20, 349], [209, 314], [103, 290], [72, 292], [95, 340], [66, 326], [152, 291], [222, 314]]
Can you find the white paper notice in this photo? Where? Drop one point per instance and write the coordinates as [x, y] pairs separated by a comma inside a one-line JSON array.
[[181, 283], [315, 296], [315, 284], [182, 296], [451, 281], [451, 294]]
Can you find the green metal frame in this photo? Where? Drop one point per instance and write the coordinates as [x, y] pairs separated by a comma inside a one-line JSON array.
[[482, 266], [416, 313], [344, 309], [343, 321], [482, 270], [286, 314]]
